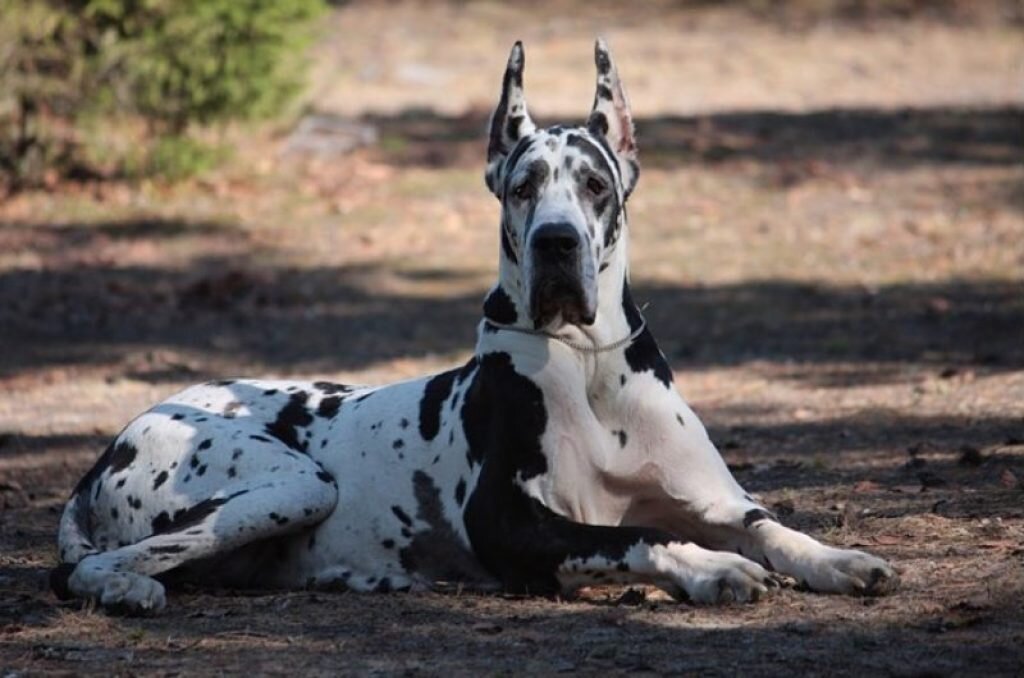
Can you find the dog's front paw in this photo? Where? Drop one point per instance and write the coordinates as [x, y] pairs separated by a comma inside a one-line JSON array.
[[712, 577], [849, 572]]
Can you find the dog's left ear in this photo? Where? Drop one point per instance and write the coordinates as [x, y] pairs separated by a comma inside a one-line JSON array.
[[510, 121], [611, 118]]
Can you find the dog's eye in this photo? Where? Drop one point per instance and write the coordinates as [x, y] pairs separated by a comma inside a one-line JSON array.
[[595, 186], [523, 191]]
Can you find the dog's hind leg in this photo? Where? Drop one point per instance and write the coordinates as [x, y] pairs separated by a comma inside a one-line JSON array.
[[256, 508]]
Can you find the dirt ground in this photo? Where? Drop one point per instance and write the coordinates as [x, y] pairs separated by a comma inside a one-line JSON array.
[[829, 229]]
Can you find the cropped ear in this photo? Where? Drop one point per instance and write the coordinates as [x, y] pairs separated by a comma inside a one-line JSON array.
[[510, 121], [611, 118]]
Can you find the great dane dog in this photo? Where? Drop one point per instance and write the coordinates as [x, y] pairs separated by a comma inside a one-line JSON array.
[[560, 455]]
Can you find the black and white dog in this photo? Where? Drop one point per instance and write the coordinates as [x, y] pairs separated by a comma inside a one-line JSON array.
[[559, 455]]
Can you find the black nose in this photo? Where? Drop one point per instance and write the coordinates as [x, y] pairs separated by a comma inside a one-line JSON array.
[[556, 241]]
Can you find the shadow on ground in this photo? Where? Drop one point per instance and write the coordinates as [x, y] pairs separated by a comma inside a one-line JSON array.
[[328, 319], [894, 139]]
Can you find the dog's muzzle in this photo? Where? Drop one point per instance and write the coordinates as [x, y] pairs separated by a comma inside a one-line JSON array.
[[557, 285]]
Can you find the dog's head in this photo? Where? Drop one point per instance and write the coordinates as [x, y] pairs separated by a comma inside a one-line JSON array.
[[563, 192]]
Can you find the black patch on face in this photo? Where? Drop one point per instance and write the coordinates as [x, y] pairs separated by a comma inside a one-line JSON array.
[[679, 418], [506, 244], [643, 354], [590, 150], [329, 407], [435, 393], [292, 416], [437, 551], [191, 516], [521, 148], [755, 516], [622, 437], [498, 307]]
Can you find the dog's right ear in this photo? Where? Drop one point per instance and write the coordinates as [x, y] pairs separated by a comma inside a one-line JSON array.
[[510, 121]]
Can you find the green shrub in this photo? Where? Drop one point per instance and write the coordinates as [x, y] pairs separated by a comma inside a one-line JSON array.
[[174, 63]]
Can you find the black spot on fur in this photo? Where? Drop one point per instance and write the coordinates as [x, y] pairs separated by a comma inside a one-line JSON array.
[[598, 123], [437, 551], [293, 416], [236, 453], [326, 477], [329, 407], [331, 388], [622, 437], [205, 445], [113, 513], [177, 417], [270, 392], [435, 393], [498, 307], [168, 548], [498, 382], [279, 519], [398, 444], [388, 543], [261, 439], [460, 491], [191, 516], [643, 354], [679, 418], [506, 245], [755, 516], [401, 515]]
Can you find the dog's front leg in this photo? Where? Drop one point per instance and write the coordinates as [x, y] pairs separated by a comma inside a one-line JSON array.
[[533, 550], [701, 501]]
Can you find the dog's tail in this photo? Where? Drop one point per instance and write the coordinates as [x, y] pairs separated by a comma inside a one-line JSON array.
[[74, 539]]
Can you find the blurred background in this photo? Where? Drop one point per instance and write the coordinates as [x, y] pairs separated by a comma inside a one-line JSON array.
[[829, 226]]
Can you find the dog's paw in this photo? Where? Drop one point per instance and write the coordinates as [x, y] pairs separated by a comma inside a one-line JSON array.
[[132, 594], [849, 572], [715, 577]]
